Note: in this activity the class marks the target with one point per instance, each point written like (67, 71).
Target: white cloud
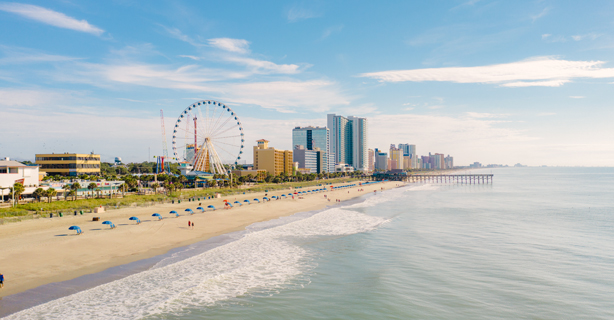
(546, 36)
(541, 14)
(590, 36)
(232, 45)
(541, 71)
(332, 30)
(262, 66)
(50, 17)
(480, 115)
(577, 97)
(27, 98)
(298, 13)
(544, 114)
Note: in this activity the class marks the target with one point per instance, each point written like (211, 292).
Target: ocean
(537, 243)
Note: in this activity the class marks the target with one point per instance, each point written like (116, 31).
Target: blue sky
(489, 81)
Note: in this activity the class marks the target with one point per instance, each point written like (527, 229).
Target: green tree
(155, 187)
(66, 190)
(18, 189)
(50, 193)
(91, 187)
(75, 187)
(39, 193)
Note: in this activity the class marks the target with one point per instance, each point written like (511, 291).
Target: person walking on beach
(1, 280)
(192, 225)
(189, 224)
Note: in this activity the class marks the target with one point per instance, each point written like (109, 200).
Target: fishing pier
(436, 178)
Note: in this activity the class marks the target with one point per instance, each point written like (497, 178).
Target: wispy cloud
(262, 66)
(545, 114)
(17, 55)
(589, 36)
(50, 17)
(299, 12)
(541, 71)
(483, 115)
(177, 34)
(541, 14)
(577, 97)
(332, 30)
(231, 45)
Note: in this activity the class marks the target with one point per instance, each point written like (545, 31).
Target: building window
(13, 170)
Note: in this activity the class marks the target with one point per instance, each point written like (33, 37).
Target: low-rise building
(69, 164)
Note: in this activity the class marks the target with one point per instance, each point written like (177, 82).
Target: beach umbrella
(189, 210)
(237, 202)
(265, 198)
(247, 201)
(173, 211)
(257, 200)
(201, 209)
(157, 215)
(274, 197)
(228, 204)
(109, 223)
(211, 207)
(76, 228)
(135, 219)
(283, 195)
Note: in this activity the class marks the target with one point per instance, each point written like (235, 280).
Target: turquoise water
(537, 243)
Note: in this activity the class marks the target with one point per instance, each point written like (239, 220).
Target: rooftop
(11, 163)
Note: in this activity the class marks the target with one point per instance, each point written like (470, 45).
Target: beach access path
(41, 251)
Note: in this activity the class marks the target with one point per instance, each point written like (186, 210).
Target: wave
(261, 261)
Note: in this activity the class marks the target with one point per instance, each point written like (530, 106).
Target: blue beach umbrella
(247, 201)
(239, 203)
(265, 198)
(189, 210)
(201, 209)
(173, 211)
(211, 207)
(274, 197)
(135, 219)
(76, 228)
(109, 223)
(157, 215)
(256, 199)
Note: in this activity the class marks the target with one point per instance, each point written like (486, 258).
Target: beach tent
(189, 210)
(239, 203)
(247, 201)
(76, 229)
(135, 219)
(211, 207)
(157, 215)
(201, 209)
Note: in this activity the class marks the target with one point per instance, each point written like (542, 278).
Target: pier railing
(437, 178)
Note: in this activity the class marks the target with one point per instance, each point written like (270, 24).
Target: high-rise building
(396, 157)
(381, 160)
(449, 162)
(273, 161)
(69, 164)
(312, 160)
(315, 137)
(348, 140)
(371, 156)
(409, 150)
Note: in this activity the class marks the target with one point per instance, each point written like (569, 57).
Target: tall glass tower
(348, 138)
(311, 138)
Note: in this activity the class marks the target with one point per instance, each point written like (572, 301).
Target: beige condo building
(272, 160)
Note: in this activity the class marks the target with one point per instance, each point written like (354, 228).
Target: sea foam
(261, 261)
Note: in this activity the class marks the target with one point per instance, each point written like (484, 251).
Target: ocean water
(537, 243)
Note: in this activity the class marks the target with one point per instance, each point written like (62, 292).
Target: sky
(499, 82)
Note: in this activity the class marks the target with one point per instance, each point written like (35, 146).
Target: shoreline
(43, 251)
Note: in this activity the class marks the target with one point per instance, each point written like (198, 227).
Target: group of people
(190, 225)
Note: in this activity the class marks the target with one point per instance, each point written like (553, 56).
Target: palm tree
(66, 190)
(98, 190)
(91, 187)
(155, 186)
(50, 193)
(38, 194)
(17, 190)
(75, 187)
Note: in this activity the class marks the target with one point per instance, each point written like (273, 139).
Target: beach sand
(41, 251)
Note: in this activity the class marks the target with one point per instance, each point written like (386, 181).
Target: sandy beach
(41, 251)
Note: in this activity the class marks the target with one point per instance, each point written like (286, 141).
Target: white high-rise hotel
(348, 140)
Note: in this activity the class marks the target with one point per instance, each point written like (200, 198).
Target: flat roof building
(273, 161)
(69, 164)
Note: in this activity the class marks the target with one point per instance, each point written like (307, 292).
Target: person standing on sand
(1, 280)
(192, 225)
(189, 224)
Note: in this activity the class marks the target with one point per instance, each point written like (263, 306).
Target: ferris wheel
(208, 134)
